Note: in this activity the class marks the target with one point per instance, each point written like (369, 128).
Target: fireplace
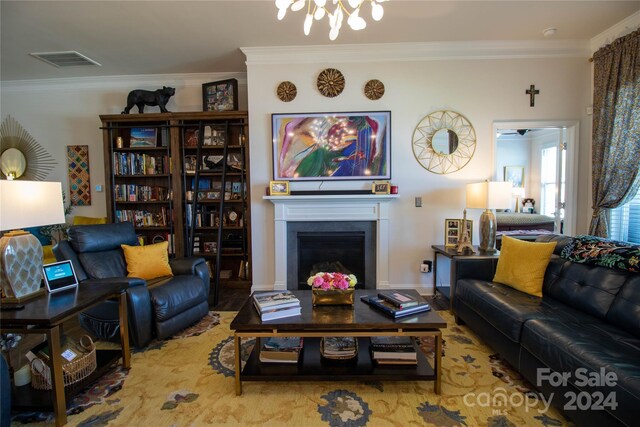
(338, 209)
(342, 246)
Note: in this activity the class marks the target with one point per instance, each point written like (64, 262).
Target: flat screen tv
(332, 146)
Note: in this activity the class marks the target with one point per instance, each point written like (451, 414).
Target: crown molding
(622, 28)
(432, 51)
(150, 81)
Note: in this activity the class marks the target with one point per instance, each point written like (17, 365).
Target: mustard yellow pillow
(88, 220)
(522, 264)
(147, 262)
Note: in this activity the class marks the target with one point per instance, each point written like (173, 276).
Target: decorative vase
(332, 296)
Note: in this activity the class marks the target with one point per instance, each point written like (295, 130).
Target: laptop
(59, 276)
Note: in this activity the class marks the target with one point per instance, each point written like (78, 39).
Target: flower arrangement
(327, 281)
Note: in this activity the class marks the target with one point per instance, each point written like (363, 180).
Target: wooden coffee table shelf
(360, 321)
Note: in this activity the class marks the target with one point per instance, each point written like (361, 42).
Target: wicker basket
(73, 371)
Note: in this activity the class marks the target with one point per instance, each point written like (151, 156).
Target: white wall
(483, 90)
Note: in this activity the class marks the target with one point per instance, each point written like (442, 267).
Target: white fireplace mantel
(361, 207)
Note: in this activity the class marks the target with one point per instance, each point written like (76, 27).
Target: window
(624, 221)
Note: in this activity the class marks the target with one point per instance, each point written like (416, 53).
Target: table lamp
(25, 204)
(488, 195)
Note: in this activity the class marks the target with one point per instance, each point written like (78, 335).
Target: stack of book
(281, 350)
(397, 303)
(276, 304)
(393, 351)
(339, 347)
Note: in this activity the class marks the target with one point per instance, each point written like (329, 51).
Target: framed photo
(279, 188)
(381, 188)
(515, 175)
(143, 137)
(332, 146)
(220, 96)
(453, 231)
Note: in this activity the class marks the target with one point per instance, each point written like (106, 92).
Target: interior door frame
(571, 179)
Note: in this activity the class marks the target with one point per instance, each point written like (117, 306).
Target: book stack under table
(393, 350)
(281, 350)
(276, 304)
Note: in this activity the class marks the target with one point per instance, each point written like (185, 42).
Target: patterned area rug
(188, 381)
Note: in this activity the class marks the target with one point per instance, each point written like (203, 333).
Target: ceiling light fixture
(318, 9)
(549, 32)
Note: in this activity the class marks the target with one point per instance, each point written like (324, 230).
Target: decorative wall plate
(330, 82)
(287, 91)
(374, 89)
(436, 160)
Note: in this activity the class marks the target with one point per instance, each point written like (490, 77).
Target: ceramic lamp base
(21, 257)
(332, 297)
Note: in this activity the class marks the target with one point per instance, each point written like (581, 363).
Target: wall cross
(532, 92)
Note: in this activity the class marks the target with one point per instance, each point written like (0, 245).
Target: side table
(46, 314)
(450, 253)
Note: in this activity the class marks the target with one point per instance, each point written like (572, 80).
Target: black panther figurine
(140, 97)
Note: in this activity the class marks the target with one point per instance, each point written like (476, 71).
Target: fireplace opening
(331, 246)
(331, 252)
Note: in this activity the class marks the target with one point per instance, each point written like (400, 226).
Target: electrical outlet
(418, 202)
(425, 267)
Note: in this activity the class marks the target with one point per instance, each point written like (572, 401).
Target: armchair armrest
(129, 282)
(191, 266)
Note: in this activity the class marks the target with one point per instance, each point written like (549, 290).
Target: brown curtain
(616, 128)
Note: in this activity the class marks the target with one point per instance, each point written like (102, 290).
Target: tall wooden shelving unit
(191, 188)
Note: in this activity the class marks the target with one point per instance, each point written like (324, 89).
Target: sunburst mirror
(444, 142)
(22, 157)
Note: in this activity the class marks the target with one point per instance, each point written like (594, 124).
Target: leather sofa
(586, 325)
(156, 308)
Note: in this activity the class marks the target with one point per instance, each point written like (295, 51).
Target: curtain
(616, 128)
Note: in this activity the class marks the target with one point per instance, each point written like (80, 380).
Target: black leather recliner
(158, 307)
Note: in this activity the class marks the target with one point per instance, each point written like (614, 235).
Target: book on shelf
(278, 312)
(275, 299)
(390, 309)
(281, 350)
(393, 348)
(399, 299)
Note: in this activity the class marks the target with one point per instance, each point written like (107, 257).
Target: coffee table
(359, 320)
(46, 314)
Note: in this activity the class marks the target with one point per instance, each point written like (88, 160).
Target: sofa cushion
(147, 262)
(625, 310)
(522, 264)
(586, 288)
(102, 265)
(102, 237)
(565, 346)
(603, 252)
(507, 309)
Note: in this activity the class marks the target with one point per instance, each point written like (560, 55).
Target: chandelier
(318, 9)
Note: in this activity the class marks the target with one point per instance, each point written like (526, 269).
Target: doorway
(547, 153)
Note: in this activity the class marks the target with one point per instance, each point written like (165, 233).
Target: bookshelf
(183, 177)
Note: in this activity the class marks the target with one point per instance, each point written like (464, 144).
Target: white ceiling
(180, 36)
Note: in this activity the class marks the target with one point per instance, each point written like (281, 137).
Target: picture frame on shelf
(220, 96)
(143, 137)
(453, 231)
(332, 146)
(278, 188)
(381, 188)
(514, 175)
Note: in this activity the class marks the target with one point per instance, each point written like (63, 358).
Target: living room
(484, 79)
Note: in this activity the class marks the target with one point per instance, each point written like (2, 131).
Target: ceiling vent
(69, 58)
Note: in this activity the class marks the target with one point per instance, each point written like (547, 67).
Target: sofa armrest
(475, 268)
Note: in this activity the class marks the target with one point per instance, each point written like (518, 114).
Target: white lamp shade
(30, 204)
(489, 195)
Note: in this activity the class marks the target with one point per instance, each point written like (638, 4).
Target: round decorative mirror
(444, 142)
(12, 163)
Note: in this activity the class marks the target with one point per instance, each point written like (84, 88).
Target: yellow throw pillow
(522, 264)
(88, 220)
(147, 262)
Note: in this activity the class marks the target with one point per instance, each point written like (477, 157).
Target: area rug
(188, 381)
